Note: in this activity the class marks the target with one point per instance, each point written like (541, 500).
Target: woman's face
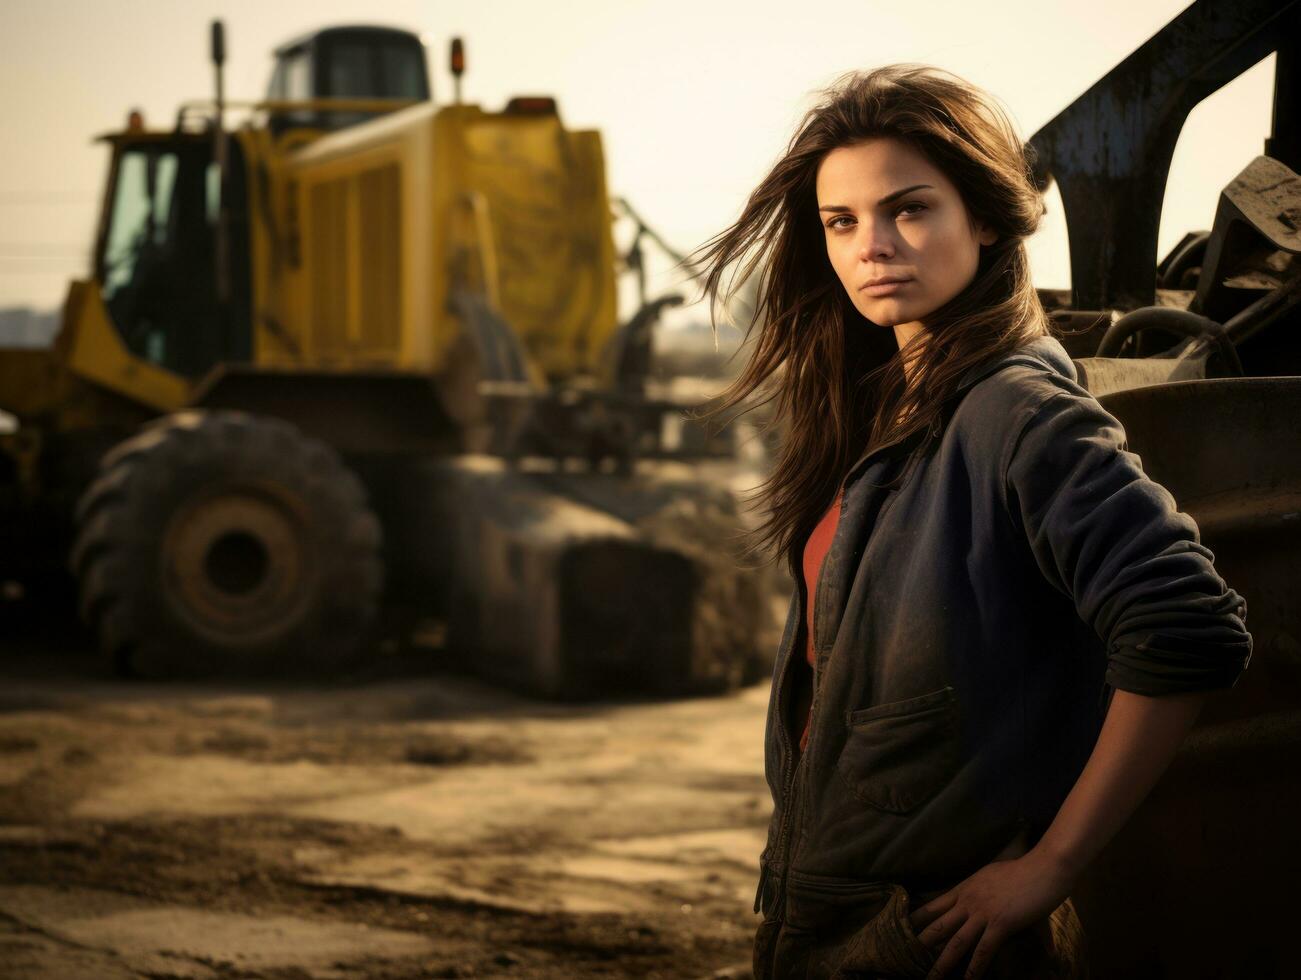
(897, 231)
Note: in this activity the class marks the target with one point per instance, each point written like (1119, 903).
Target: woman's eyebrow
(898, 194)
(893, 196)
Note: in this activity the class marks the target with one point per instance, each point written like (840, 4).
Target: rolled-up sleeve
(1114, 541)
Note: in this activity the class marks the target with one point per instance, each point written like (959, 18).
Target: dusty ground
(408, 822)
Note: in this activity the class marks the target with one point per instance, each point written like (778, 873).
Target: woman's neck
(903, 334)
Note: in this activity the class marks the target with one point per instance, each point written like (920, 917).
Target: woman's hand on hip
(976, 917)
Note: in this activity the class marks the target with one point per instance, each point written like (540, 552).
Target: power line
(47, 197)
(34, 250)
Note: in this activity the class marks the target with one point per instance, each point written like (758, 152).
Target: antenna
(218, 51)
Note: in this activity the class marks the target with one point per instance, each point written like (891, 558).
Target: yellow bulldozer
(366, 345)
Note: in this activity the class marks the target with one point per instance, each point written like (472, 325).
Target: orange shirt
(815, 550)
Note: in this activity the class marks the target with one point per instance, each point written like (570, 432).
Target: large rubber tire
(221, 543)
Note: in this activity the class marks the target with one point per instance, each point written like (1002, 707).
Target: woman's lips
(886, 288)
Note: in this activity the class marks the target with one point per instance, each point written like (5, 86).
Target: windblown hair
(836, 379)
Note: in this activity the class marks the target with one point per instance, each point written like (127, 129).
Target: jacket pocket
(886, 945)
(898, 755)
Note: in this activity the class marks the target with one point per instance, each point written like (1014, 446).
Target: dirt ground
(404, 822)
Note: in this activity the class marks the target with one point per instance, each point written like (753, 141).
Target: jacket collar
(1043, 350)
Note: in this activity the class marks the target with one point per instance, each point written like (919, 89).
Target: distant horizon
(691, 114)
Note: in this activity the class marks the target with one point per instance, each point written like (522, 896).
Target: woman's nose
(876, 245)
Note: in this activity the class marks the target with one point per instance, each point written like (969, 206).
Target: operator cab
(156, 254)
(346, 63)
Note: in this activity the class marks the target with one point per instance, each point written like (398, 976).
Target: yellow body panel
(383, 221)
(546, 201)
(57, 384)
(93, 350)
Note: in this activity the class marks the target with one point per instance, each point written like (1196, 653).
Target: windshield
(366, 68)
(142, 207)
(158, 258)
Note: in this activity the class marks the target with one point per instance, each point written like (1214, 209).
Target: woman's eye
(833, 222)
(912, 208)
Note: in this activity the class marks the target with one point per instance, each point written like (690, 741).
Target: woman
(1011, 627)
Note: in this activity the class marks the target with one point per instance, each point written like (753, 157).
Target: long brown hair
(835, 379)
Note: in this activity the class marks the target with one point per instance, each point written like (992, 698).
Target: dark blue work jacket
(983, 592)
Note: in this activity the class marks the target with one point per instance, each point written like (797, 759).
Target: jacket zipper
(789, 772)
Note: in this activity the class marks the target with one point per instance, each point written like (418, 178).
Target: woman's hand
(978, 915)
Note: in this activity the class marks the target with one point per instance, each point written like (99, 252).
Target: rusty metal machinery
(1199, 356)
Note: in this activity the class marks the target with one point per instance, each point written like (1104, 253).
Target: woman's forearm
(1139, 738)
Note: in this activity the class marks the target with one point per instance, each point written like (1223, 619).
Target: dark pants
(866, 934)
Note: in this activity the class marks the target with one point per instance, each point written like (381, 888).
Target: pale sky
(694, 99)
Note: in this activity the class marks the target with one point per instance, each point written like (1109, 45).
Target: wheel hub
(234, 563)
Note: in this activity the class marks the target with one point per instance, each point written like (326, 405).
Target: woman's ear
(986, 235)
